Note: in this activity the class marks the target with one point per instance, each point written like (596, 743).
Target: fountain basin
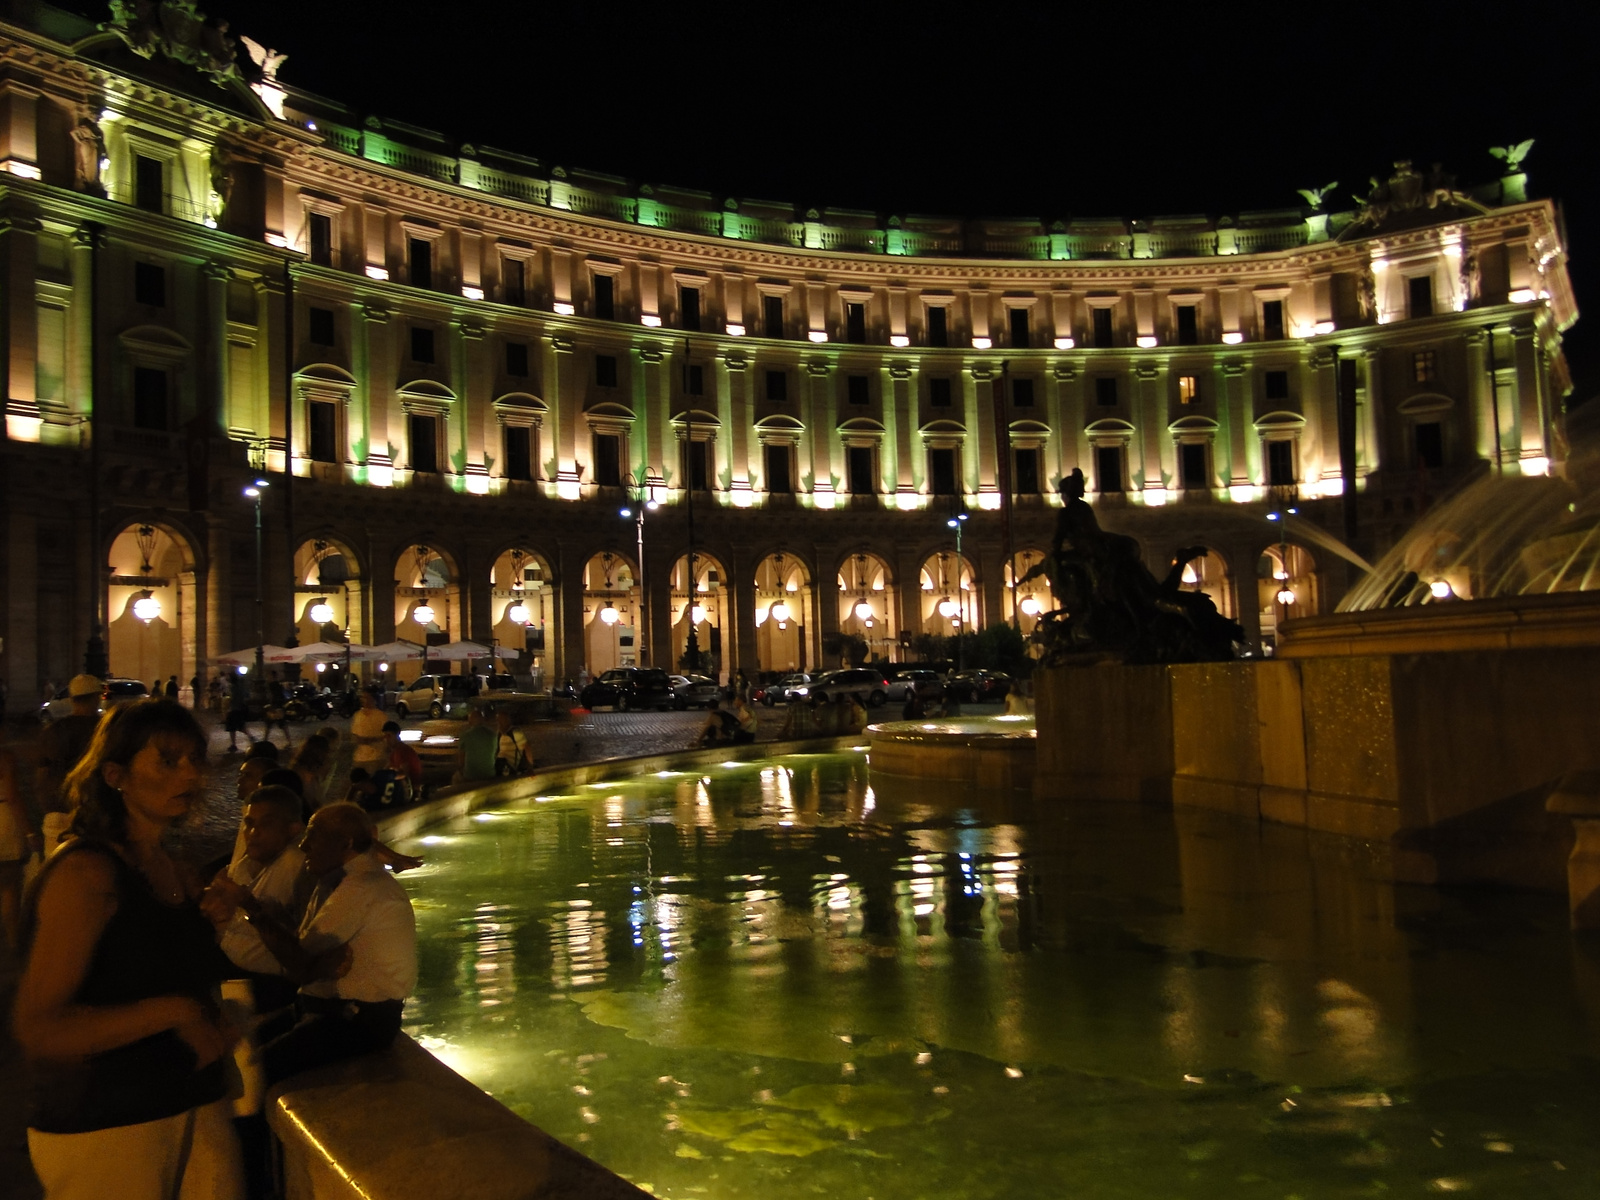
(991, 753)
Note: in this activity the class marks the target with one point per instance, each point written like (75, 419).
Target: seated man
(511, 746)
(476, 757)
(272, 868)
(354, 956)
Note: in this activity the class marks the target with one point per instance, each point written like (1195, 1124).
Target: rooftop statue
(179, 30)
(1317, 197)
(1110, 603)
(1513, 155)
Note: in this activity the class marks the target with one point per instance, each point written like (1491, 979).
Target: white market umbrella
(395, 652)
(336, 652)
(271, 654)
(458, 651)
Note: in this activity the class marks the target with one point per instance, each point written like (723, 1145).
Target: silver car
(694, 691)
(785, 689)
(926, 684)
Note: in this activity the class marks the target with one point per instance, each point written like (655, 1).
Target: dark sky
(987, 109)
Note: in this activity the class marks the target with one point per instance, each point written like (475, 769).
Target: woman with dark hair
(115, 1010)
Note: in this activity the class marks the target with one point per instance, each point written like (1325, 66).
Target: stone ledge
(401, 1124)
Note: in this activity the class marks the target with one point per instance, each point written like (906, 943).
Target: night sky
(988, 109)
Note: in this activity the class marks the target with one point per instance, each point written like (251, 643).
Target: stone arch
(868, 604)
(785, 613)
(610, 584)
(524, 608)
(153, 602)
(327, 570)
(427, 577)
(704, 606)
(1209, 574)
(1285, 565)
(1028, 602)
(951, 593)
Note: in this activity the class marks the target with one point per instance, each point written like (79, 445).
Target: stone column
(213, 383)
(1527, 419)
(1152, 420)
(370, 343)
(466, 423)
(742, 589)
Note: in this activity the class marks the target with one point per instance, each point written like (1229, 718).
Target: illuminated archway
(610, 613)
(427, 605)
(1032, 599)
(1286, 587)
(951, 600)
(706, 608)
(867, 608)
(1209, 574)
(784, 616)
(523, 610)
(327, 574)
(151, 605)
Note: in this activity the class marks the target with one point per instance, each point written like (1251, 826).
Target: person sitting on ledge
(354, 955)
(731, 722)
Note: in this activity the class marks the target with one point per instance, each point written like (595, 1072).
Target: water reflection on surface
(767, 977)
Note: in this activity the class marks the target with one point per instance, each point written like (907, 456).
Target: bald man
(354, 955)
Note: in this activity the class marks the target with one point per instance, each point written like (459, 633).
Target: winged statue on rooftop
(1513, 155)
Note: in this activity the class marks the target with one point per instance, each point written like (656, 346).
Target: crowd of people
(158, 999)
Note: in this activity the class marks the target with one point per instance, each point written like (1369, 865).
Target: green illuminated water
(765, 980)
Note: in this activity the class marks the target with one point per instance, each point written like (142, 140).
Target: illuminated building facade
(454, 365)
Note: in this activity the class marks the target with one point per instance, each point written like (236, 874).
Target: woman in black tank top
(115, 1011)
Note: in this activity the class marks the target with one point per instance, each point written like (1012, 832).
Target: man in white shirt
(272, 867)
(355, 955)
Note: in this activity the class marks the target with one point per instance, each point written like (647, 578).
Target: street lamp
(646, 499)
(321, 612)
(609, 614)
(147, 608)
(258, 687)
(956, 522)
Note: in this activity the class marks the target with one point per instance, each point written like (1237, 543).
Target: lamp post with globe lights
(258, 686)
(645, 487)
(954, 609)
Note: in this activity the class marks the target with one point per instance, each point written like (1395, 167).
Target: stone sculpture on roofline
(1112, 607)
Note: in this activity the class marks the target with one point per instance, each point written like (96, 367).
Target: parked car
(117, 691)
(980, 686)
(864, 683)
(434, 695)
(694, 691)
(784, 689)
(623, 688)
(926, 684)
(501, 681)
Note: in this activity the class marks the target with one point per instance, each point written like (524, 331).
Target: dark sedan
(623, 688)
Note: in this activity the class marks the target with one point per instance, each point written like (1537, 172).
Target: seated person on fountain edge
(354, 954)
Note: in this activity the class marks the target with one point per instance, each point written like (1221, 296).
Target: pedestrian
(172, 687)
(366, 731)
(276, 713)
(61, 746)
(476, 757)
(114, 1010)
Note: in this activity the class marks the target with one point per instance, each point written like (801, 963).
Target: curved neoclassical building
(455, 365)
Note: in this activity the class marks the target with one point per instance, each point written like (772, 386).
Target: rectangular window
(939, 392)
(1419, 291)
(1026, 479)
(605, 370)
(1193, 467)
(1022, 393)
(421, 344)
(519, 452)
(517, 359)
(321, 239)
(149, 183)
(1104, 335)
(778, 476)
(694, 382)
(149, 285)
(608, 460)
(1019, 327)
(695, 465)
(859, 465)
(1277, 385)
(1105, 390)
(424, 430)
(689, 308)
(938, 325)
(605, 298)
(321, 418)
(858, 389)
(513, 281)
(1188, 325)
(1272, 320)
(772, 316)
(777, 386)
(1108, 468)
(320, 322)
(1430, 445)
(421, 263)
(1424, 366)
(149, 398)
(942, 471)
(1280, 464)
(1188, 389)
(855, 322)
